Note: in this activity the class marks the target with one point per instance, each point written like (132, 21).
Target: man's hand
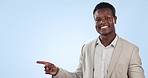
(49, 67)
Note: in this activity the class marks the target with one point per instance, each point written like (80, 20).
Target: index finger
(42, 62)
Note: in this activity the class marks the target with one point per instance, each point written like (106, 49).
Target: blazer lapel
(115, 56)
(92, 58)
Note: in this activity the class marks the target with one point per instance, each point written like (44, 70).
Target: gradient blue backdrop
(55, 30)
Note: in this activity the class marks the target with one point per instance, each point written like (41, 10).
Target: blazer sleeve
(135, 69)
(66, 74)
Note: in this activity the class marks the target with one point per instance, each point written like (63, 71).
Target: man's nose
(103, 21)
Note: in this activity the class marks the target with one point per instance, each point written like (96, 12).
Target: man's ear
(114, 20)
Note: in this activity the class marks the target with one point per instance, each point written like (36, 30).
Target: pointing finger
(43, 62)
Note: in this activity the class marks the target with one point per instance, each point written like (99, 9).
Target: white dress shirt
(102, 58)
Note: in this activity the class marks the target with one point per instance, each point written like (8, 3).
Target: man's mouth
(104, 27)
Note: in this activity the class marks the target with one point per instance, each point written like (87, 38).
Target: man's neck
(106, 40)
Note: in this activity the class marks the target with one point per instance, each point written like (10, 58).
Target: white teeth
(104, 27)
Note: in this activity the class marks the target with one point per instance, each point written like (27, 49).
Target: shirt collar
(113, 43)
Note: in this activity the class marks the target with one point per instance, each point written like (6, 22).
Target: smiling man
(108, 56)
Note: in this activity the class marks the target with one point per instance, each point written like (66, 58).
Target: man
(108, 56)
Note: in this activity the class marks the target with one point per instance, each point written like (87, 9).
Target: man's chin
(104, 34)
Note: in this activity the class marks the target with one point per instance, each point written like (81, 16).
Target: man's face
(105, 21)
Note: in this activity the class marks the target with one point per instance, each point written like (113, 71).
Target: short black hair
(102, 5)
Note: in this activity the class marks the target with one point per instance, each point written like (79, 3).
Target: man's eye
(98, 19)
(107, 18)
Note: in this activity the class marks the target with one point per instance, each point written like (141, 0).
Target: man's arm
(55, 71)
(78, 74)
(135, 69)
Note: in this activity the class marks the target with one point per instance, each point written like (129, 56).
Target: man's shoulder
(91, 43)
(127, 43)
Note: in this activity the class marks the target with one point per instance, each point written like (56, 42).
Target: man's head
(105, 18)
(102, 5)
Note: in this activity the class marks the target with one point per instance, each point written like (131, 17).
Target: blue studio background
(55, 30)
